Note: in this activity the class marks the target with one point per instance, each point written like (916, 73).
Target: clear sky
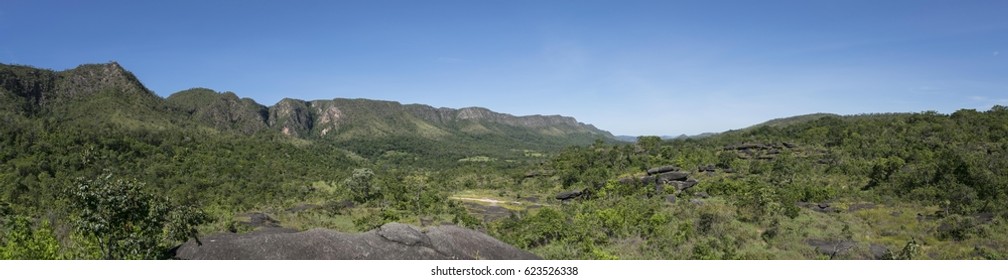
(630, 67)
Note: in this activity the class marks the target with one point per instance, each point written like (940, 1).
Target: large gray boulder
(650, 179)
(879, 252)
(391, 241)
(672, 176)
(707, 168)
(684, 185)
(671, 198)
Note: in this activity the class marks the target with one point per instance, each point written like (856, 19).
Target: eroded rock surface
(391, 241)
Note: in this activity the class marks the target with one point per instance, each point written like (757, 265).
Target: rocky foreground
(391, 241)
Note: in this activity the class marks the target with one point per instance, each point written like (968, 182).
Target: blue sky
(630, 67)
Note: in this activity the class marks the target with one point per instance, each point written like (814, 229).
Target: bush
(23, 242)
(127, 222)
(361, 185)
(956, 227)
(377, 219)
(762, 202)
(461, 217)
(536, 230)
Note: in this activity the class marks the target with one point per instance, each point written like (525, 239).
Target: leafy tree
(725, 159)
(649, 143)
(418, 195)
(126, 221)
(361, 185)
(882, 170)
(5, 209)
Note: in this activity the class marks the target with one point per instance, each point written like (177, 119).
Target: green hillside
(882, 186)
(793, 120)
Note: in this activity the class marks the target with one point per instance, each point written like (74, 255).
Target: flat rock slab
(568, 195)
(391, 241)
(878, 252)
(489, 213)
(672, 176)
(818, 207)
(831, 248)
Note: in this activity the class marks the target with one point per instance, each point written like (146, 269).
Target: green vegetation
(93, 166)
(127, 222)
(895, 186)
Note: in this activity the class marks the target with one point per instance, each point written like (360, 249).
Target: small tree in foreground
(126, 221)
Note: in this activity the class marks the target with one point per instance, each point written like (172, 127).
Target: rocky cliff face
(91, 78)
(22, 88)
(32, 89)
(328, 115)
(292, 117)
(322, 118)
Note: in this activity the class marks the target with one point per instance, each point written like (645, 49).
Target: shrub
(126, 221)
(956, 227)
(21, 241)
(361, 185)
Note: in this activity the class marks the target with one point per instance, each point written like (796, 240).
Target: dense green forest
(94, 166)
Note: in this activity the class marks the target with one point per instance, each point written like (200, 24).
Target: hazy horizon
(628, 67)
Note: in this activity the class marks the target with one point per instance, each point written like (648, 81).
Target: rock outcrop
(30, 89)
(568, 195)
(89, 78)
(819, 207)
(761, 151)
(662, 176)
(706, 168)
(662, 169)
(391, 241)
(832, 247)
(292, 117)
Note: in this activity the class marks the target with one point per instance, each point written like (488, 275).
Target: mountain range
(112, 94)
